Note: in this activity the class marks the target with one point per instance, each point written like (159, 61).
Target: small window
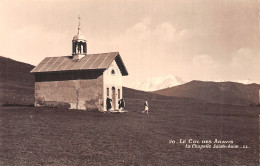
(119, 94)
(113, 72)
(107, 91)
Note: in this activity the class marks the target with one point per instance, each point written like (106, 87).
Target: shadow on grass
(17, 105)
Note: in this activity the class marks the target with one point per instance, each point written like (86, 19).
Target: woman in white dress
(146, 107)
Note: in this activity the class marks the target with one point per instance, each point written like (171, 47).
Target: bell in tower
(79, 44)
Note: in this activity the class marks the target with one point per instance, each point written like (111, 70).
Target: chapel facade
(79, 81)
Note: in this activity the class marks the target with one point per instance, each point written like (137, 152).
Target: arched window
(113, 72)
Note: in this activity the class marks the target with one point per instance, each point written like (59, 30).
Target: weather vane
(79, 22)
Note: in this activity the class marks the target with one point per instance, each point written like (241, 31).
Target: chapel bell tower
(79, 44)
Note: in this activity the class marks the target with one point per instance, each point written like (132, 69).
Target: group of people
(121, 105)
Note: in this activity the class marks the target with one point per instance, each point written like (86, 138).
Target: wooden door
(114, 98)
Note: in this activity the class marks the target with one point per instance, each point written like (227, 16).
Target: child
(146, 107)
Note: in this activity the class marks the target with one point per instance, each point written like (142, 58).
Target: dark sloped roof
(88, 62)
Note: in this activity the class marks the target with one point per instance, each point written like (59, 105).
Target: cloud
(167, 32)
(202, 61)
(244, 58)
(245, 64)
(161, 33)
(140, 27)
(146, 48)
(203, 66)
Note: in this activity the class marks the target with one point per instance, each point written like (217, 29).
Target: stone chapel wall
(70, 90)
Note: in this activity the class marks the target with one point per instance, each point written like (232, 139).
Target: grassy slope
(43, 136)
(16, 82)
(215, 92)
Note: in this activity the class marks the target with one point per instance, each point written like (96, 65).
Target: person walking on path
(146, 107)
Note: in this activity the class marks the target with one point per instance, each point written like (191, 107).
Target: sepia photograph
(129, 82)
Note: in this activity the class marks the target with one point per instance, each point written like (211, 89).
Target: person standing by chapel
(121, 104)
(108, 103)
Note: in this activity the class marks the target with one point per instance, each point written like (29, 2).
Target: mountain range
(216, 92)
(158, 83)
(168, 81)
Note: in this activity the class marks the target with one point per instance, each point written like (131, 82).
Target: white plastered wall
(112, 80)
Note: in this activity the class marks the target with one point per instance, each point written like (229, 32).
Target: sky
(208, 40)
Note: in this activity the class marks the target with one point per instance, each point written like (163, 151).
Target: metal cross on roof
(79, 22)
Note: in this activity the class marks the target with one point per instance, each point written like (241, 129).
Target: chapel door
(114, 98)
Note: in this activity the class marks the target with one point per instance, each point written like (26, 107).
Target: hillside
(16, 82)
(216, 92)
(133, 94)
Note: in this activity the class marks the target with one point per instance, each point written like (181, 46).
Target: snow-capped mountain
(158, 83)
(248, 81)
